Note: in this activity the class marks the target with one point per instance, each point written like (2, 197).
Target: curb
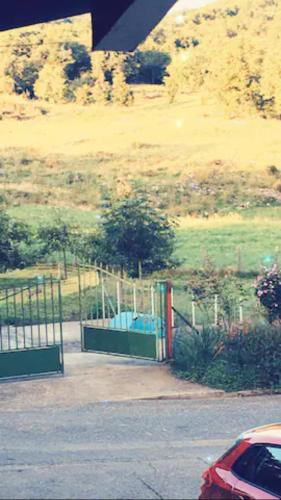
(219, 394)
(180, 396)
(253, 393)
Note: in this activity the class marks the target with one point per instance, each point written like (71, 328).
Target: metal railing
(31, 315)
(108, 300)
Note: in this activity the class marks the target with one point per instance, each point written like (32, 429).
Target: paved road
(148, 449)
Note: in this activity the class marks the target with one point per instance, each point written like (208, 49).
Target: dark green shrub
(257, 354)
(194, 352)
(222, 375)
(244, 359)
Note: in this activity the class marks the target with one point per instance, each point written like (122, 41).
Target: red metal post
(169, 320)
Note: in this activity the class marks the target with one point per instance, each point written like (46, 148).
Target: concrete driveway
(91, 377)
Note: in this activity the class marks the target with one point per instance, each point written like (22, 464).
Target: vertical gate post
(80, 307)
(169, 319)
(61, 327)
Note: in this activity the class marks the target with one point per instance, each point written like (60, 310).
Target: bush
(195, 351)
(243, 360)
(268, 291)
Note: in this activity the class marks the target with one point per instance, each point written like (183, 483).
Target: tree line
(132, 234)
(228, 50)
(54, 62)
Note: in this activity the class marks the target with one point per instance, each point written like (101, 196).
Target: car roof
(266, 434)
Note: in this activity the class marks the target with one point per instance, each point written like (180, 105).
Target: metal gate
(31, 329)
(119, 316)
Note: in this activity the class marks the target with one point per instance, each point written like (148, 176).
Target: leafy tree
(16, 244)
(137, 236)
(50, 85)
(87, 246)
(177, 75)
(52, 79)
(24, 73)
(101, 89)
(271, 71)
(84, 94)
(81, 60)
(56, 238)
(6, 84)
(233, 78)
(147, 66)
(120, 92)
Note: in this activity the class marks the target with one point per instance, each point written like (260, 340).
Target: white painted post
(103, 300)
(135, 299)
(241, 312)
(216, 310)
(152, 301)
(193, 313)
(118, 297)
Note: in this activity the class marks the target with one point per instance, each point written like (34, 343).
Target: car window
(261, 466)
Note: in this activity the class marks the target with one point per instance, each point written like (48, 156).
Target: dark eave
(118, 25)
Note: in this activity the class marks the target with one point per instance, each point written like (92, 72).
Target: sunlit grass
(230, 241)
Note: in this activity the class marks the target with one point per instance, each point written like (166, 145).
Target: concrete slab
(91, 377)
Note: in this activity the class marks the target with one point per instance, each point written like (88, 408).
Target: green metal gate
(118, 316)
(31, 329)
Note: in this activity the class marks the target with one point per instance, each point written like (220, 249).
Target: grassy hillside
(188, 156)
(218, 172)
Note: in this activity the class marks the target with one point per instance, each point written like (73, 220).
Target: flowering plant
(268, 291)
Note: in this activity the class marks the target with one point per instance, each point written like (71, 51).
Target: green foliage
(84, 94)
(52, 80)
(87, 246)
(194, 351)
(81, 60)
(137, 236)
(208, 283)
(120, 91)
(268, 291)
(147, 66)
(24, 74)
(17, 248)
(101, 89)
(55, 238)
(246, 359)
(186, 72)
(177, 75)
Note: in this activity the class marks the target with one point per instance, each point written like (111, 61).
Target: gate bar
(169, 320)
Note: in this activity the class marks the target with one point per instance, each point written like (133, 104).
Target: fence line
(213, 312)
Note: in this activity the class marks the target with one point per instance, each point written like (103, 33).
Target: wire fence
(215, 310)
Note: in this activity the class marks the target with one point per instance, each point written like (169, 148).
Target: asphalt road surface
(135, 450)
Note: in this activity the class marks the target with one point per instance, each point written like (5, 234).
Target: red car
(250, 470)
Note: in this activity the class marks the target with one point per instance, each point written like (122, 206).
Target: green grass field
(38, 215)
(243, 241)
(188, 156)
(246, 244)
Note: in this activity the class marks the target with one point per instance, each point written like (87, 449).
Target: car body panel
(250, 492)
(219, 480)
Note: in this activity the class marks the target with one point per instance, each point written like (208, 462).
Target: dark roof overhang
(117, 25)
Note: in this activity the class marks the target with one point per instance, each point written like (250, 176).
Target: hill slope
(189, 157)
